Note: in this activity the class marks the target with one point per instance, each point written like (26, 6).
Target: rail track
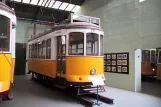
(83, 99)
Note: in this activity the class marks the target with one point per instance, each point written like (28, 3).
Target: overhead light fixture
(70, 7)
(26, 1)
(57, 4)
(63, 6)
(76, 8)
(43, 4)
(17, 0)
(51, 3)
(40, 2)
(141, 1)
(34, 2)
(47, 3)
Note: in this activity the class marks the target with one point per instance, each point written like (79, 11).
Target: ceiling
(45, 11)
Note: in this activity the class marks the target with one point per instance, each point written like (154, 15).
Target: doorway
(147, 69)
(61, 56)
(20, 63)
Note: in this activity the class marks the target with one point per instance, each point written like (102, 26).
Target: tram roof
(6, 8)
(74, 25)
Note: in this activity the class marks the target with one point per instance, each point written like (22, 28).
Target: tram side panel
(159, 65)
(5, 72)
(159, 71)
(44, 66)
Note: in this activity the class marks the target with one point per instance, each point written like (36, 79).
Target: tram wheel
(9, 96)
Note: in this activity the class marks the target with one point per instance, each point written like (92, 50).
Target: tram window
(48, 49)
(153, 56)
(36, 50)
(146, 55)
(101, 44)
(39, 49)
(76, 42)
(30, 50)
(159, 57)
(43, 49)
(92, 44)
(4, 33)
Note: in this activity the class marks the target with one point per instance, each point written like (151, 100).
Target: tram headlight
(92, 71)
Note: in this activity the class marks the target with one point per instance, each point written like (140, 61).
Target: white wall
(128, 25)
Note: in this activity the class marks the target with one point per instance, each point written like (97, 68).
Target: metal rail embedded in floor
(80, 97)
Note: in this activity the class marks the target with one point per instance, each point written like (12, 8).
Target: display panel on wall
(116, 63)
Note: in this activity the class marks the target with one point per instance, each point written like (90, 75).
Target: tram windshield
(91, 46)
(4, 33)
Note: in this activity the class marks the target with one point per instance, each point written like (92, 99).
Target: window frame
(48, 47)
(82, 54)
(39, 50)
(98, 48)
(101, 53)
(158, 60)
(8, 35)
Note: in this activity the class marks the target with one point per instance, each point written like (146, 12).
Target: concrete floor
(28, 93)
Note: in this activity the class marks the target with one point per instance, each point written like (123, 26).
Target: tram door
(61, 56)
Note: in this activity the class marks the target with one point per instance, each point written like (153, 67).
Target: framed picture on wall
(124, 62)
(108, 56)
(105, 68)
(124, 69)
(113, 69)
(117, 62)
(108, 68)
(119, 56)
(108, 62)
(114, 62)
(119, 68)
(113, 56)
(124, 56)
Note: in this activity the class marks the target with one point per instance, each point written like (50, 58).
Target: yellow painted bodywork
(76, 67)
(12, 69)
(45, 67)
(6, 71)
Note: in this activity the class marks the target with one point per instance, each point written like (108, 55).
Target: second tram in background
(149, 67)
(159, 63)
(151, 62)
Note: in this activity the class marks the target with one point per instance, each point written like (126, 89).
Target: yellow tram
(69, 54)
(7, 50)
